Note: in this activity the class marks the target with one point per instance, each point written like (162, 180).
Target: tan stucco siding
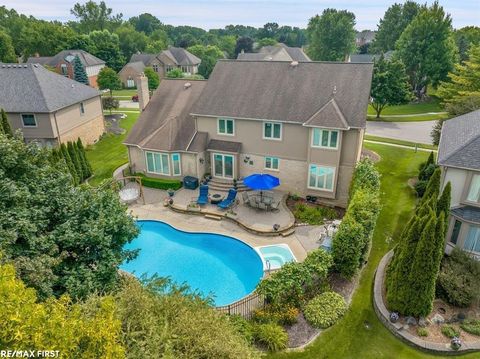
(250, 134)
(43, 129)
(128, 73)
(457, 178)
(70, 117)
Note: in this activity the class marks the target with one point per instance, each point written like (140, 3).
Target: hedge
(159, 183)
(325, 309)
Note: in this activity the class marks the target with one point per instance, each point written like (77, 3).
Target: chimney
(142, 89)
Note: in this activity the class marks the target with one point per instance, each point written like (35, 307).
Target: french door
(223, 165)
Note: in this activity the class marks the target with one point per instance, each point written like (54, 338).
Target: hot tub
(275, 256)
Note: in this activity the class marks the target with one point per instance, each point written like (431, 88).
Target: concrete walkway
(417, 132)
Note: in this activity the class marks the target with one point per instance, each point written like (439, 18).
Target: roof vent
(187, 85)
(294, 63)
(334, 89)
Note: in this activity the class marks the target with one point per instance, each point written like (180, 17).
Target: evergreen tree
(6, 128)
(433, 187)
(76, 161)
(81, 156)
(79, 73)
(443, 205)
(69, 163)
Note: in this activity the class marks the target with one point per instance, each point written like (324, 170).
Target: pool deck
(305, 238)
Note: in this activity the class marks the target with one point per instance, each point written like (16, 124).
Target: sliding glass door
(223, 165)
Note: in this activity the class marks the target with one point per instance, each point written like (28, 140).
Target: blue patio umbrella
(260, 181)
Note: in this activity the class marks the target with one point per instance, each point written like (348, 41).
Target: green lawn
(420, 117)
(433, 105)
(109, 153)
(123, 92)
(399, 142)
(350, 338)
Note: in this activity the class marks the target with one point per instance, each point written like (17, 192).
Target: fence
(244, 306)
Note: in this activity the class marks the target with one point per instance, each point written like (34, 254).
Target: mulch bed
(374, 157)
(292, 203)
(113, 123)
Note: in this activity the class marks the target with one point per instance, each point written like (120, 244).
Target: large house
(302, 122)
(63, 64)
(162, 63)
(459, 157)
(49, 108)
(279, 52)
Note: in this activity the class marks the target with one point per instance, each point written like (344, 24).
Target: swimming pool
(276, 255)
(210, 263)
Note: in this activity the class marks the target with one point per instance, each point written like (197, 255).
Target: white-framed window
(82, 109)
(29, 120)
(169, 68)
(472, 242)
(155, 67)
(130, 83)
(474, 191)
(272, 130)
(157, 163)
(64, 69)
(185, 69)
(324, 138)
(321, 177)
(271, 163)
(226, 126)
(176, 165)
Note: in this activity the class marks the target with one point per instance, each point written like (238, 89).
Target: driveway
(128, 104)
(418, 132)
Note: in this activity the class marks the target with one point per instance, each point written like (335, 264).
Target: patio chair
(203, 195)
(227, 202)
(275, 206)
(246, 199)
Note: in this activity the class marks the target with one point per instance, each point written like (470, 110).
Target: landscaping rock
(453, 319)
(422, 322)
(438, 319)
(411, 321)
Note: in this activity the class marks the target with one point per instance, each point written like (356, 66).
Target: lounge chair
(227, 202)
(203, 196)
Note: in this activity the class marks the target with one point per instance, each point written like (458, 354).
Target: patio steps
(288, 233)
(214, 217)
(224, 186)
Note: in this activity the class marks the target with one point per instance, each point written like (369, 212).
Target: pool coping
(285, 245)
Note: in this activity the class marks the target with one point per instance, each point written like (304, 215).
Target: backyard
(360, 334)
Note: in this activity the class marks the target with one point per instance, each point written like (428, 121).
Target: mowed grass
(433, 105)
(399, 142)
(109, 153)
(123, 92)
(416, 118)
(350, 338)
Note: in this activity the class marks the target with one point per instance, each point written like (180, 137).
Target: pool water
(275, 256)
(213, 264)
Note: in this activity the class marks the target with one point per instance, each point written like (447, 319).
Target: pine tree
(86, 165)
(76, 161)
(6, 128)
(69, 163)
(433, 187)
(79, 73)
(443, 205)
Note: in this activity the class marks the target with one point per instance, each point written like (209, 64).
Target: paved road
(418, 132)
(128, 104)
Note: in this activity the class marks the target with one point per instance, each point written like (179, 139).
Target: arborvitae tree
(430, 160)
(443, 205)
(81, 149)
(81, 161)
(69, 162)
(79, 73)
(6, 128)
(76, 161)
(433, 187)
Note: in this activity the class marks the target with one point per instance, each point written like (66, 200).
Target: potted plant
(234, 183)
(170, 192)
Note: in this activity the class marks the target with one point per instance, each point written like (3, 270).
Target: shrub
(420, 188)
(242, 326)
(459, 279)
(365, 176)
(324, 310)
(159, 183)
(290, 284)
(313, 215)
(347, 246)
(272, 336)
(471, 326)
(450, 332)
(422, 332)
(286, 315)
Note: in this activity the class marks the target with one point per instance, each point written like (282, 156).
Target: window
(225, 126)
(186, 69)
(472, 243)
(82, 109)
(64, 69)
(271, 163)
(321, 177)
(155, 67)
(455, 231)
(272, 130)
(169, 68)
(324, 138)
(29, 120)
(176, 164)
(474, 192)
(157, 163)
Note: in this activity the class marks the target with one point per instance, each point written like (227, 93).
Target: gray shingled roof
(86, 58)
(278, 91)
(138, 66)
(370, 57)
(181, 56)
(165, 124)
(268, 53)
(460, 142)
(467, 213)
(32, 88)
(42, 60)
(224, 146)
(145, 58)
(296, 53)
(328, 116)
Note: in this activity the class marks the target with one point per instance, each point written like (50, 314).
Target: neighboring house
(279, 52)
(459, 157)
(302, 122)
(368, 57)
(364, 37)
(162, 63)
(49, 108)
(63, 64)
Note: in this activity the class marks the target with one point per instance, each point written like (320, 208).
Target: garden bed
(306, 212)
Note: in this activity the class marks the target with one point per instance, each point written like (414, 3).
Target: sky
(218, 13)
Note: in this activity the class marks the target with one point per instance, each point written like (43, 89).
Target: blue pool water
(276, 255)
(210, 263)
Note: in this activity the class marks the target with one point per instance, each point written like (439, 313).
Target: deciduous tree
(108, 80)
(153, 80)
(93, 16)
(7, 52)
(245, 44)
(106, 46)
(209, 56)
